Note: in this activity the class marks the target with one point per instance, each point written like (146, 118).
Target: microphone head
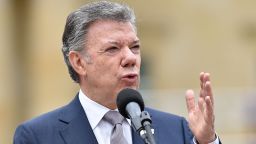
(126, 96)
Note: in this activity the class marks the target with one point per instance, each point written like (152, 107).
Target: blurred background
(180, 38)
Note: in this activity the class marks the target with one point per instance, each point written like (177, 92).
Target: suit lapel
(75, 127)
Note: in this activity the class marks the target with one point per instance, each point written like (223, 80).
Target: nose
(129, 58)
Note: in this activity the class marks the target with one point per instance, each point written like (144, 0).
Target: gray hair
(78, 22)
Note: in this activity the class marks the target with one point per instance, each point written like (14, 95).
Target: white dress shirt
(216, 141)
(102, 129)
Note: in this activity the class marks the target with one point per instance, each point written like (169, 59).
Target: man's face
(114, 63)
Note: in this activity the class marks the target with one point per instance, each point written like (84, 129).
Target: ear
(77, 62)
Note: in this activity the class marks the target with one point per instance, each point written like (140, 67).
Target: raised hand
(201, 113)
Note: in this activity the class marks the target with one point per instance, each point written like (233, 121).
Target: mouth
(130, 78)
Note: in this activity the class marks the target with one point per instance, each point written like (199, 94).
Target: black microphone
(131, 105)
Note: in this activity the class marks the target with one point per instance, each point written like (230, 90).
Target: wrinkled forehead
(104, 22)
(112, 31)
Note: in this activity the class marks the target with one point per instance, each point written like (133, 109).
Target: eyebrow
(137, 41)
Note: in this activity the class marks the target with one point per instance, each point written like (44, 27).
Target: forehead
(109, 30)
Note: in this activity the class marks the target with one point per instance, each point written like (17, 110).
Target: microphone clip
(143, 127)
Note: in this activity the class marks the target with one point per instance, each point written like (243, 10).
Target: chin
(131, 86)
(134, 86)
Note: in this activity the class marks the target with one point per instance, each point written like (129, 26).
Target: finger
(201, 104)
(209, 113)
(204, 79)
(201, 79)
(190, 100)
(208, 88)
(201, 93)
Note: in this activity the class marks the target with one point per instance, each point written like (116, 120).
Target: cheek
(138, 62)
(107, 68)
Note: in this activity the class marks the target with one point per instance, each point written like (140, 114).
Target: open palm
(201, 114)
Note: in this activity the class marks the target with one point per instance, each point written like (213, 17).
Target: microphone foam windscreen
(126, 96)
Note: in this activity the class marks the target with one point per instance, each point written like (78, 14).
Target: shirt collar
(94, 111)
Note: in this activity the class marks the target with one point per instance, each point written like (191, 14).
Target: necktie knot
(114, 117)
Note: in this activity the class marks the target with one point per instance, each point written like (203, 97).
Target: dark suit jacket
(69, 125)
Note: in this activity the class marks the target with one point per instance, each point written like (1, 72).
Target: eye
(112, 50)
(135, 49)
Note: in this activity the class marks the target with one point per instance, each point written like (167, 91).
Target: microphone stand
(146, 132)
(142, 125)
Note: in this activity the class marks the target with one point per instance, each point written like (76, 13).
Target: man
(102, 52)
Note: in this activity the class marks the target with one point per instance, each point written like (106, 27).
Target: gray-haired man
(102, 51)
